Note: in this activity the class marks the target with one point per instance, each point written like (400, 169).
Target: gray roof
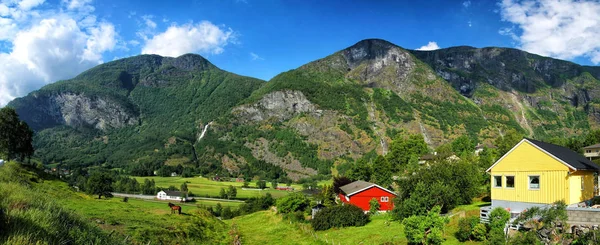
(174, 193)
(568, 156)
(592, 146)
(355, 186)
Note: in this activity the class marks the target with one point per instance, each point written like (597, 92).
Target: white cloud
(148, 21)
(255, 56)
(49, 45)
(429, 46)
(77, 4)
(28, 4)
(203, 37)
(564, 29)
(466, 4)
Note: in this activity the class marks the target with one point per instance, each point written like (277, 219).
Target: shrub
(529, 238)
(479, 232)
(465, 228)
(292, 203)
(498, 218)
(373, 206)
(496, 237)
(425, 229)
(339, 216)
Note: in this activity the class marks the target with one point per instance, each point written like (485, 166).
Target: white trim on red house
(537, 147)
(366, 188)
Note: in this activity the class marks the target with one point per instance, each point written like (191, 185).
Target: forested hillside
(149, 113)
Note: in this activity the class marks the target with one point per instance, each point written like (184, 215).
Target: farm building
(172, 195)
(359, 193)
(535, 173)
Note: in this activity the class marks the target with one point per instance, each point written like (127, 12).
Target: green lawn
(380, 230)
(204, 187)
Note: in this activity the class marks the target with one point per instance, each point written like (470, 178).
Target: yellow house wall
(526, 160)
(577, 193)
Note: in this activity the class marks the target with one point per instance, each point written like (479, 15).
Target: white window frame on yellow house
(496, 182)
(506, 180)
(539, 177)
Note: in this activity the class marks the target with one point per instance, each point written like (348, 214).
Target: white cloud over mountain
(203, 37)
(429, 46)
(48, 45)
(564, 29)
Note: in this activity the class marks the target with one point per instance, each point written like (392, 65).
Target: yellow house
(535, 173)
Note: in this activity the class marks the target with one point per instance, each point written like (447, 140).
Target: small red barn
(360, 193)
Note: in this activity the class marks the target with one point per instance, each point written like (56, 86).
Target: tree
(223, 193)
(382, 172)
(373, 206)
(444, 183)
(15, 136)
(149, 187)
(425, 229)
(508, 141)
(463, 146)
(339, 181)
(218, 210)
(231, 192)
(274, 184)
(184, 187)
(261, 184)
(327, 196)
(246, 184)
(361, 170)
(100, 184)
(403, 148)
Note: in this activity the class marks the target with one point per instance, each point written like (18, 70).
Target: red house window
(385, 199)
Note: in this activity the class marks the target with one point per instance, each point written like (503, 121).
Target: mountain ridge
(149, 110)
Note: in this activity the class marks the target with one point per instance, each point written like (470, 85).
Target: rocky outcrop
(78, 110)
(278, 106)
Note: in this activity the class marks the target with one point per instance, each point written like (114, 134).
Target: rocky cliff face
(77, 110)
(278, 106)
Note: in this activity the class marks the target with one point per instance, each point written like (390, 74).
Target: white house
(172, 195)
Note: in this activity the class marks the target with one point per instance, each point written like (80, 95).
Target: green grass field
(380, 230)
(203, 187)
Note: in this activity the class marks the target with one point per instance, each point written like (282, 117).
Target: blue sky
(42, 41)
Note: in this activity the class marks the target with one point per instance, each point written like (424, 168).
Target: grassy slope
(380, 230)
(204, 187)
(140, 220)
(28, 215)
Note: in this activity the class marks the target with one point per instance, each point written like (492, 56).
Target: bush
(339, 216)
(498, 218)
(292, 203)
(496, 237)
(297, 216)
(479, 232)
(425, 229)
(466, 227)
(373, 206)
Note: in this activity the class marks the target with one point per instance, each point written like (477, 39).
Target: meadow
(381, 229)
(204, 187)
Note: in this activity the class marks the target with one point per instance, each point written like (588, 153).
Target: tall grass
(29, 216)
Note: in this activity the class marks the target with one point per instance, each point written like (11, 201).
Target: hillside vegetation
(147, 112)
(37, 209)
(29, 215)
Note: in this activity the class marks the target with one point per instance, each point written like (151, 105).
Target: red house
(360, 193)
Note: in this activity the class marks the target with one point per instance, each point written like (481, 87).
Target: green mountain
(149, 110)
(145, 109)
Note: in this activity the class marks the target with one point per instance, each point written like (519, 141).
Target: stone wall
(583, 216)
